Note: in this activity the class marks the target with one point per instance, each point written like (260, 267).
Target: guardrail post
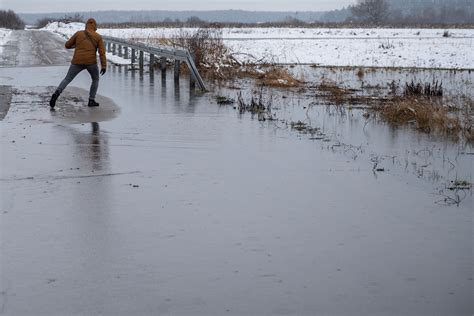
(163, 64)
(152, 61)
(192, 80)
(138, 50)
(177, 68)
(134, 56)
(140, 60)
(125, 53)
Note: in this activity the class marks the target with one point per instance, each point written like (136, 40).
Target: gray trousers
(74, 70)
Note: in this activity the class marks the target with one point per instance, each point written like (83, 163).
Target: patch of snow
(67, 29)
(411, 48)
(117, 60)
(4, 37)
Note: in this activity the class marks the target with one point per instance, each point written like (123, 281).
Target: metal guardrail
(162, 51)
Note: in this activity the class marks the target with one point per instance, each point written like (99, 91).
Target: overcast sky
(34, 6)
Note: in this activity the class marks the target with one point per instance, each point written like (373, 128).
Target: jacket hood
(91, 25)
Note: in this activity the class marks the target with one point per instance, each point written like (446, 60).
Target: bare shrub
(10, 20)
(207, 47)
(387, 45)
(371, 11)
(64, 19)
(43, 22)
(71, 18)
(215, 61)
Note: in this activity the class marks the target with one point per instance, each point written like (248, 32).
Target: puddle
(32, 105)
(350, 132)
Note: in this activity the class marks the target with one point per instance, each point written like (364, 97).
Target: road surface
(35, 48)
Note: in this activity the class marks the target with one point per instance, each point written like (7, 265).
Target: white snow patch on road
(4, 37)
(64, 29)
(411, 48)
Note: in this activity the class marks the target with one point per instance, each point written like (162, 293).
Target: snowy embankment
(4, 35)
(410, 48)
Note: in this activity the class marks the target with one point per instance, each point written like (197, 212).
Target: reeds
(427, 115)
(428, 89)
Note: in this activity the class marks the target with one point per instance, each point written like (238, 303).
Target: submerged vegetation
(428, 89)
(422, 105)
(256, 105)
(426, 114)
(222, 100)
(416, 103)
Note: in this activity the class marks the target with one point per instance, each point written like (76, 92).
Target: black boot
(54, 97)
(92, 103)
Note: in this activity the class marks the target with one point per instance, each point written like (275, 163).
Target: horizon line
(144, 10)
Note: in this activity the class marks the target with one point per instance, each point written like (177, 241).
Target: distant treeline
(382, 13)
(431, 11)
(413, 12)
(9, 20)
(194, 21)
(298, 24)
(147, 16)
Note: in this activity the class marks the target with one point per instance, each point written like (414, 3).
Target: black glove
(102, 71)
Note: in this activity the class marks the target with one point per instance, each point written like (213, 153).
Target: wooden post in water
(125, 53)
(120, 50)
(114, 47)
(109, 46)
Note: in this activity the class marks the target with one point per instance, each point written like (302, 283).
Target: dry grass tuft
(427, 114)
(468, 113)
(334, 93)
(279, 77)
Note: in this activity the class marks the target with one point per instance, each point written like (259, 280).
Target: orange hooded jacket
(87, 46)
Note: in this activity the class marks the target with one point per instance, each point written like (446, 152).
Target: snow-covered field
(4, 34)
(419, 48)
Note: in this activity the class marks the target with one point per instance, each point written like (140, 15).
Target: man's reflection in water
(92, 201)
(91, 148)
(96, 148)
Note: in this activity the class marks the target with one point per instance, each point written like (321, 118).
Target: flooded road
(34, 48)
(179, 206)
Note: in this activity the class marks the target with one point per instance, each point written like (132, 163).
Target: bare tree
(371, 11)
(10, 20)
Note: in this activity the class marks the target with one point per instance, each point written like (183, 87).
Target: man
(86, 44)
